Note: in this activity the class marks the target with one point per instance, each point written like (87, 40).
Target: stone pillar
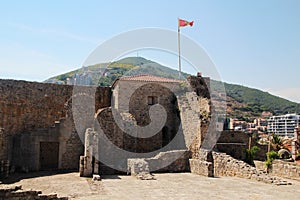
(89, 163)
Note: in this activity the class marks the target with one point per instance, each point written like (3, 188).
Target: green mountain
(105, 73)
(242, 102)
(247, 102)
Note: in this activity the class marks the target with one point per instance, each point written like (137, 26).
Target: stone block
(96, 177)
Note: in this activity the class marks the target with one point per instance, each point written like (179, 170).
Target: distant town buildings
(283, 125)
(259, 125)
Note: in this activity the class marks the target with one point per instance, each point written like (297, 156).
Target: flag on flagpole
(182, 23)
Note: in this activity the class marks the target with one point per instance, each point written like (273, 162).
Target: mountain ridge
(243, 102)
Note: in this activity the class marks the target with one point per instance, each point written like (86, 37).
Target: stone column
(89, 163)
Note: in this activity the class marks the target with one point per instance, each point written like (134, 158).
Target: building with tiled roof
(146, 78)
(125, 87)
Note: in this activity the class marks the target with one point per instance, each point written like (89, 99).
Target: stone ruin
(38, 130)
(167, 151)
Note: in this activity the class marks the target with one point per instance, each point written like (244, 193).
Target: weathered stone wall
(132, 98)
(204, 165)
(139, 109)
(285, 169)
(136, 147)
(32, 112)
(195, 107)
(235, 143)
(194, 123)
(225, 165)
(169, 161)
(201, 167)
(27, 106)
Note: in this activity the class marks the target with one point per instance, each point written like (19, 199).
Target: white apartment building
(283, 125)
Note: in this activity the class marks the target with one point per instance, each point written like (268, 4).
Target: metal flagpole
(179, 58)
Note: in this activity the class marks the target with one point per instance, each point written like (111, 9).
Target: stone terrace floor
(166, 186)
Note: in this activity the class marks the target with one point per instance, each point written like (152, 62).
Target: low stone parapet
(285, 169)
(225, 165)
(200, 167)
(169, 161)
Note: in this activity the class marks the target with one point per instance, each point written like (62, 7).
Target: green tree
(278, 142)
(250, 153)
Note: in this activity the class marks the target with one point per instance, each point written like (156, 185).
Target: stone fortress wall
(33, 115)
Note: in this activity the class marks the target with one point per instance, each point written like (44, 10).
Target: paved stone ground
(166, 186)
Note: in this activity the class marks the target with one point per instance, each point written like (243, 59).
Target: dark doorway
(165, 136)
(49, 155)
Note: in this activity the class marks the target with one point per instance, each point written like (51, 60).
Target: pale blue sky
(253, 43)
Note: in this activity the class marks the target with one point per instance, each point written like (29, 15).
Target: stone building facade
(135, 96)
(143, 105)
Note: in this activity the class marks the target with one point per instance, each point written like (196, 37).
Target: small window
(152, 100)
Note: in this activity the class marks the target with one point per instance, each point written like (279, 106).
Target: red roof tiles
(149, 78)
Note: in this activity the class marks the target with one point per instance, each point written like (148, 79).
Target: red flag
(182, 23)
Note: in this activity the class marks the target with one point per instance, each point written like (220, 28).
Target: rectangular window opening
(152, 100)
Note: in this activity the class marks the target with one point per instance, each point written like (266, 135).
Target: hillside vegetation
(255, 101)
(242, 102)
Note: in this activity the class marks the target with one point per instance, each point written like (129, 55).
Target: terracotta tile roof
(149, 78)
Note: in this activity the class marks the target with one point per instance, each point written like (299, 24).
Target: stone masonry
(286, 169)
(169, 161)
(204, 164)
(216, 164)
(225, 165)
(34, 114)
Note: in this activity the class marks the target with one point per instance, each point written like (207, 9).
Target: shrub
(272, 155)
(250, 153)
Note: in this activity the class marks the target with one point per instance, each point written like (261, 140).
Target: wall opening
(152, 100)
(49, 155)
